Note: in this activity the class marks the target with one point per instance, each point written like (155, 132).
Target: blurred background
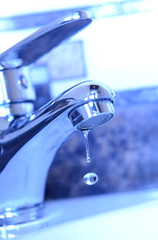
(119, 48)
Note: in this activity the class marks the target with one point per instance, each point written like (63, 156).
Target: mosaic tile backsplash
(124, 151)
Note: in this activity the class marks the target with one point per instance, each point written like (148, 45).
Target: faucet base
(11, 220)
(10, 216)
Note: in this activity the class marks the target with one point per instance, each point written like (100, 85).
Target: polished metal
(16, 92)
(43, 40)
(15, 86)
(91, 114)
(29, 140)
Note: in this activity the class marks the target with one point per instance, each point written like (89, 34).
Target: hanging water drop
(85, 133)
(90, 178)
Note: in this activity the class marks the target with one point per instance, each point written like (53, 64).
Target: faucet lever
(43, 40)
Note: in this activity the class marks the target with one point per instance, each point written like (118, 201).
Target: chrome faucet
(29, 140)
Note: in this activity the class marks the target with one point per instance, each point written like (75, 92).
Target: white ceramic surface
(129, 216)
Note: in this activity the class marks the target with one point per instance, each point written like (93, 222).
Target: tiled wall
(60, 69)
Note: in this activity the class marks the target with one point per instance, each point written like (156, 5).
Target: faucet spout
(29, 145)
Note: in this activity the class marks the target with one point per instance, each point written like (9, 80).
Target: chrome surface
(46, 38)
(29, 140)
(11, 216)
(16, 92)
(91, 114)
(15, 86)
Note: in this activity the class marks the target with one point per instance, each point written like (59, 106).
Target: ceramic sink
(125, 216)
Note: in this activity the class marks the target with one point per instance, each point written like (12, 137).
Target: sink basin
(125, 216)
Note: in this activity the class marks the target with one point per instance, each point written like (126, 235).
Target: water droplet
(85, 133)
(90, 178)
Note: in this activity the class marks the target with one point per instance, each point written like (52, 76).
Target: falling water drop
(90, 178)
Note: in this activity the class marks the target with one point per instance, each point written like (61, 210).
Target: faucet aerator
(92, 114)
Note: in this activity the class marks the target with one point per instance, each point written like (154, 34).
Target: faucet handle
(16, 91)
(42, 41)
